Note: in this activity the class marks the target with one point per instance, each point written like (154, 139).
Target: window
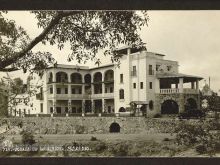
(150, 85)
(58, 91)
(41, 107)
(51, 109)
(111, 89)
(73, 109)
(121, 94)
(106, 90)
(80, 91)
(73, 91)
(134, 85)
(66, 90)
(121, 78)
(150, 70)
(169, 68)
(151, 105)
(66, 109)
(142, 85)
(157, 67)
(134, 72)
(58, 109)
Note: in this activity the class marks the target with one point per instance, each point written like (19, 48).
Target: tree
(85, 31)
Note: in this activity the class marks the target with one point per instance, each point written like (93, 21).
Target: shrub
(166, 139)
(157, 115)
(100, 147)
(201, 149)
(93, 138)
(120, 149)
(198, 135)
(27, 137)
(80, 129)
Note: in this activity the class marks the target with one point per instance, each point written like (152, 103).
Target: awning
(176, 76)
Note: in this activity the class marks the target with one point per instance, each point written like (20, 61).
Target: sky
(190, 37)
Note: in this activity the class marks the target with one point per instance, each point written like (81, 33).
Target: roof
(176, 76)
(63, 66)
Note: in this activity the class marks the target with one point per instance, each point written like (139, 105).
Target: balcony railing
(169, 91)
(190, 91)
(177, 90)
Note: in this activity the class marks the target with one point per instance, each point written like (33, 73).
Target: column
(197, 86)
(69, 91)
(103, 84)
(192, 85)
(181, 85)
(103, 105)
(157, 85)
(83, 86)
(69, 105)
(83, 106)
(92, 106)
(54, 106)
(176, 85)
(92, 85)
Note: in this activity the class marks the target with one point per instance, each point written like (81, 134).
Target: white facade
(140, 78)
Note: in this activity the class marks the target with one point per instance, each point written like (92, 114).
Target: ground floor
(81, 106)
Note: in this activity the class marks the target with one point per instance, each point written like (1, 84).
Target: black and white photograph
(110, 83)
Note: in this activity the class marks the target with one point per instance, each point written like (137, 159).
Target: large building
(144, 82)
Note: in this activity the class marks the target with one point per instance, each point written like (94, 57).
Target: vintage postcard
(122, 83)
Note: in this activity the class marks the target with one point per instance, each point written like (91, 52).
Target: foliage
(80, 129)
(93, 138)
(85, 31)
(27, 137)
(198, 135)
(100, 147)
(120, 149)
(157, 115)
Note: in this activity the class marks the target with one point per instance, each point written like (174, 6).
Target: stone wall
(91, 125)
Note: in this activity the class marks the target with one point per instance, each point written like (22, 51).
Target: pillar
(69, 105)
(92, 106)
(54, 106)
(103, 105)
(181, 85)
(192, 85)
(69, 91)
(157, 85)
(83, 106)
(176, 86)
(197, 86)
(92, 86)
(103, 84)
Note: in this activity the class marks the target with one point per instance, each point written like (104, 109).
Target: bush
(201, 149)
(157, 115)
(166, 139)
(27, 137)
(120, 149)
(198, 135)
(80, 129)
(100, 147)
(93, 138)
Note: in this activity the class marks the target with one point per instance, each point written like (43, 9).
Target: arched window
(121, 94)
(151, 105)
(50, 77)
(114, 128)
(122, 109)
